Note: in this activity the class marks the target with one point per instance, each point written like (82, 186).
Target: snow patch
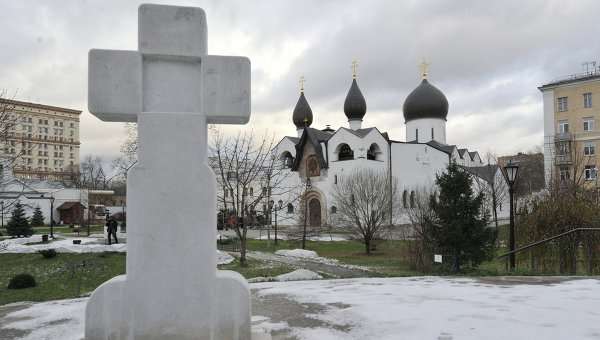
(296, 275)
(224, 258)
(302, 253)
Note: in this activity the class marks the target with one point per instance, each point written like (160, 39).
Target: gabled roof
(70, 205)
(449, 149)
(473, 154)
(312, 136)
(486, 172)
(461, 152)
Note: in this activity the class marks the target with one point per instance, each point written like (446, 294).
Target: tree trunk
(368, 246)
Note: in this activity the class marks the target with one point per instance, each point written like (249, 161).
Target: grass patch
(257, 268)
(53, 276)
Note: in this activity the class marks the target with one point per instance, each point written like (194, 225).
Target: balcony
(564, 136)
(563, 159)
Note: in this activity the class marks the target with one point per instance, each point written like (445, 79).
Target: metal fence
(575, 252)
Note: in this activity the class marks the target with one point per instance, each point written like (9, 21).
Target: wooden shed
(71, 212)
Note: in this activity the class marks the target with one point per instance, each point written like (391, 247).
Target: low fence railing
(575, 251)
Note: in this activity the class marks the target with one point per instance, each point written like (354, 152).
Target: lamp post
(52, 217)
(596, 178)
(305, 212)
(280, 203)
(511, 170)
(269, 225)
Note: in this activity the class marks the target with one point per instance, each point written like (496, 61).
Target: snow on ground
(302, 253)
(314, 238)
(88, 245)
(392, 308)
(296, 275)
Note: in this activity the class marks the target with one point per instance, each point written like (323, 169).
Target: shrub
(18, 225)
(37, 219)
(76, 230)
(71, 226)
(22, 281)
(48, 253)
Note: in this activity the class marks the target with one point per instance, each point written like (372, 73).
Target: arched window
(405, 199)
(373, 151)
(333, 210)
(345, 153)
(287, 159)
(290, 208)
(412, 199)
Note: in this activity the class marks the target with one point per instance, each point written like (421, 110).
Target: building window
(333, 210)
(563, 104)
(588, 124)
(587, 100)
(345, 153)
(412, 199)
(565, 173)
(405, 199)
(432, 134)
(290, 208)
(589, 172)
(334, 179)
(589, 148)
(563, 126)
(225, 192)
(251, 191)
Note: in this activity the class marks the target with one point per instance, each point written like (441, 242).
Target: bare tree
(365, 204)
(15, 144)
(129, 146)
(417, 210)
(248, 174)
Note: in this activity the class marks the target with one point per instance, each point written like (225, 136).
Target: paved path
(332, 269)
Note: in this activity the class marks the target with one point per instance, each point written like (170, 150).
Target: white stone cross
(173, 89)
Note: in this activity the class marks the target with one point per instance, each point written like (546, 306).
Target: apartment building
(571, 134)
(42, 140)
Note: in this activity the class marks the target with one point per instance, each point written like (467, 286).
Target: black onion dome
(302, 112)
(355, 105)
(426, 101)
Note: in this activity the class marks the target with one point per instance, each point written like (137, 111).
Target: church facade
(317, 160)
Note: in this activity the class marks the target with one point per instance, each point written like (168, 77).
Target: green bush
(71, 226)
(48, 253)
(22, 281)
(76, 230)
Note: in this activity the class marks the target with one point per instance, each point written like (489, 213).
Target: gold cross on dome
(354, 66)
(301, 81)
(305, 121)
(424, 66)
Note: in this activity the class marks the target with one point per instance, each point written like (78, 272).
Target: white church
(323, 157)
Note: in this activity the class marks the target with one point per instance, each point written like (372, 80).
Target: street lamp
(280, 203)
(52, 217)
(305, 212)
(511, 170)
(269, 225)
(596, 178)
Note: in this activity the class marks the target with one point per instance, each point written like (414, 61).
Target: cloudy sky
(488, 57)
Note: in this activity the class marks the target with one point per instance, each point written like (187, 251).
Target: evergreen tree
(37, 219)
(18, 225)
(460, 228)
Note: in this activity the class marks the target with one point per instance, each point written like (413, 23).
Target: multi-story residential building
(571, 134)
(42, 140)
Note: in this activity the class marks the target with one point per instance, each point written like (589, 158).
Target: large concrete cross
(173, 89)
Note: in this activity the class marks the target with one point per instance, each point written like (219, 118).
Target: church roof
(461, 152)
(303, 115)
(355, 105)
(425, 101)
(449, 149)
(486, 172)
(312, 136)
